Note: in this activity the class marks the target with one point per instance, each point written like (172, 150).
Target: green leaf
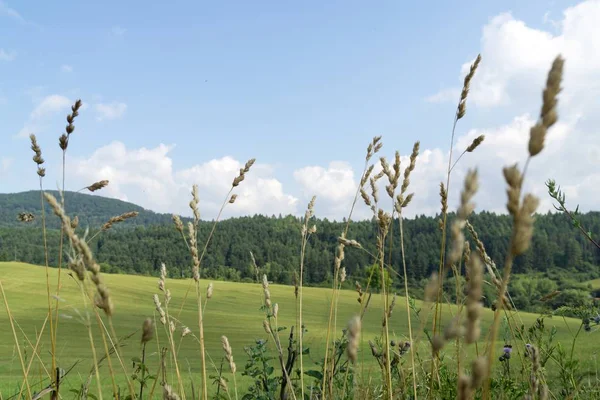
(314, 374)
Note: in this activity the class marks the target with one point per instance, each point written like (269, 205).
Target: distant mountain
(92, 210)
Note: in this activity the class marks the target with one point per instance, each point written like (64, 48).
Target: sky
(184, 92)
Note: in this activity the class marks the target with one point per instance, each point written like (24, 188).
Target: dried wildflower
(342, 274)
(275, 310)
(168, 393)
(373, 147)
(78, 267)
(267, 293)
(194, 251)
(228, 353)
(186, 331)
(37, 158)
(159, 309)
(410, 168)
(243, 171)
(163, 277)
(147, 330)
(267, 327)
(232, 198)
(476, 142)
(97, 185)
(443, 198)
(349, 243)
(194, 203)
(209, 290)
(25, 217)
(75, 222)
(63, 141)
(548, 115)
(353, 338)
(118, 219)
(178, 223)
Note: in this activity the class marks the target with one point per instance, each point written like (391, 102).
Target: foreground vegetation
(451, 345)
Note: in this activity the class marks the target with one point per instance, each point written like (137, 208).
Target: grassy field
(595, 283)
(234, 310)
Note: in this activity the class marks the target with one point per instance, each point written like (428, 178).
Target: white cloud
(46, 107)
(516, 56)
(516, 60)
(66, 68)
(334, 187)
(146, 177)
(118, 31)
(7, 55)
(110, 111)
(444, 96)
(50, 105)
(10, 12)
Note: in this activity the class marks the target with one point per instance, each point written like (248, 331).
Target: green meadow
(234, 310)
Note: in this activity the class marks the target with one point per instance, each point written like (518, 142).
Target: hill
(92, 210)
(140, 245)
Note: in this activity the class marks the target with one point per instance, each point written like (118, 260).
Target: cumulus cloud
(110, 111)
(334, 187)
(66, 68)
(516, 56)
(146, 177)
(45, 108)
(516, 60)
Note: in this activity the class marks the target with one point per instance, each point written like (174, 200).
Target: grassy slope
(233, 311)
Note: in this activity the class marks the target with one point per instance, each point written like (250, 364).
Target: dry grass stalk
(464, 210)
(473, 302)
(243, 171)
(118, 219)
(354, 327)
(548, 114)
(178, 223)
(169, 393)
(462, 105)
(37, 158)
(475, 143)
(97, 185)
(103, 299)
(228, 353)
(63, 141)
(522, 212)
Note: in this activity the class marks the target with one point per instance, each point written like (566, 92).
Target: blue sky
(295, 84)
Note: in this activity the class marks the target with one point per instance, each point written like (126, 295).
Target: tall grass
(451, 360)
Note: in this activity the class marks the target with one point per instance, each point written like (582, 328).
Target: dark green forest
(559, 258)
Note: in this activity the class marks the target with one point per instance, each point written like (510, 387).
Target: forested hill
(92, 210)
(141, 244)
